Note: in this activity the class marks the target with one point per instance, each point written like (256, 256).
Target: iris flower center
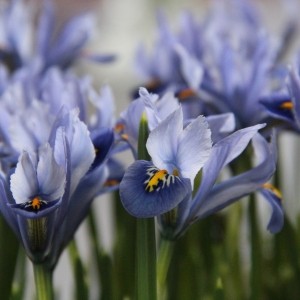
(158, 179)
(287, 105)
(34, 204)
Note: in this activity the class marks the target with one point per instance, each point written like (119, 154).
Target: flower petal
(166, 192)
(163, 141)
(51, 176)
(277, 217)
(222, 153)
(236, 187)
(194, 148)
(24, 183)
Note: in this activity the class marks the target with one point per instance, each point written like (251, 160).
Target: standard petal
(51, 176)
(194, 148)
(191, 68)
(23, 182)
(143, 200)
(163, 141)
(81, 149)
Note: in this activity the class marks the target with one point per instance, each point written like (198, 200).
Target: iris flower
(23, 42)
(163, 187)
(283, 105)
(47, 195)
(152, 188)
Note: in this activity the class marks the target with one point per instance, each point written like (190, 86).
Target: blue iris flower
(163, 187)
(283, 105)
(151, 188)
(224, 64)
(48, 193)
(24, 43)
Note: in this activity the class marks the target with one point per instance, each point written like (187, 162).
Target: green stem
(78, 271)
(145, 288)
(163, 263)
(43, 282)
(104, 264)
(256, 253)
(9, 247)
(146, 260)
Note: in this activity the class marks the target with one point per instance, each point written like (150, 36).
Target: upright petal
(51, 176)
(162, 143)
(24, 183)
(194, 148)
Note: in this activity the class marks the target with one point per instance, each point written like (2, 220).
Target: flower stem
(78, 271)
(103, 261)
(146, 260)
(43, 282)
(145, 288)
(256, 252)
(163, 263)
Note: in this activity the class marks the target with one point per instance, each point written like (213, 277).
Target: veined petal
(248, 182)
(162, 143)
(194, 148)
(277, 217)
(24, 183)
(51, 176)
(222, 153)
(147, 191)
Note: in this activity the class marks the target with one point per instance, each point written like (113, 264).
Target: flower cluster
(202, 131)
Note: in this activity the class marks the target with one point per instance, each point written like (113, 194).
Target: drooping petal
(194, 148)
(163, 141)
(24, 183)
(248, 182)
(147, 191)
(277, 216)
(222, 153)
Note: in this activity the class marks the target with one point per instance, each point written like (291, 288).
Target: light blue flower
(23, 42)
(47, 195)
(152, 188)
(283, 105)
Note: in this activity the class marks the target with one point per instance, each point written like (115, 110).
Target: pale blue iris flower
(23, 44)
(163, 187)
(151, 188)
(52, 186)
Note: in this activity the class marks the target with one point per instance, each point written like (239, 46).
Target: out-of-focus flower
(24, 42)
(283, 105)
(224, 64)
(54, 158)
